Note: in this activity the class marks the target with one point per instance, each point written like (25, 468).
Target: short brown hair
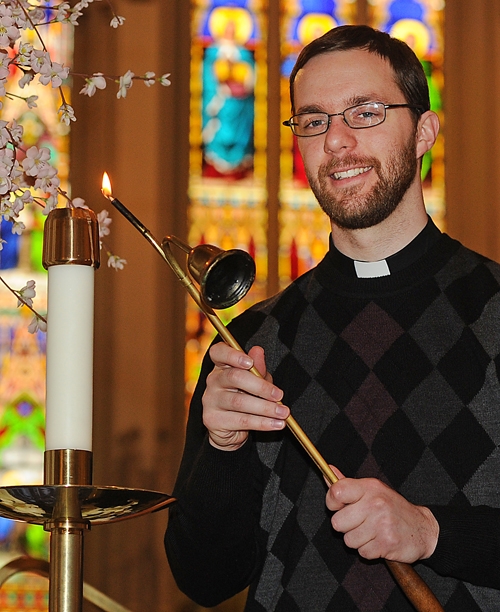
(409, 74)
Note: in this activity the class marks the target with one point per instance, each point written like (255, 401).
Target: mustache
(347, 161)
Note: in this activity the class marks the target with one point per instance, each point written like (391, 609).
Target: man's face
(358, 176)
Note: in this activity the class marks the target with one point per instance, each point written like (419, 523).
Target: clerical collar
(394, 263)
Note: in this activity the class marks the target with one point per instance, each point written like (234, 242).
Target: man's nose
(339, 135)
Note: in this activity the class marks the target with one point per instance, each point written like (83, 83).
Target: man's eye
(367, 114)
(314, 122)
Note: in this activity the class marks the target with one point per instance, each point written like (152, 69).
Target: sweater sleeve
(468, 547)
(212, 535)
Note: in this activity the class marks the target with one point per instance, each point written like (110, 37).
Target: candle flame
(106, 186)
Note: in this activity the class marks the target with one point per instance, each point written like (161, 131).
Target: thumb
(259, 360)
(338, 474)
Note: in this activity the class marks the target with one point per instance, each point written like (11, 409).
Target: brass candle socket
(71, 236)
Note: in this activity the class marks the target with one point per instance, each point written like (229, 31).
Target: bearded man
(387, 354)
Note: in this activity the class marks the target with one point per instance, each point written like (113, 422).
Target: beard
(351, 210)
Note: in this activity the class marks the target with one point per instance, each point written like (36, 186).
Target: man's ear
(427, 131)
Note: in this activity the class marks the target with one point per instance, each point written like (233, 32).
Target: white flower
(149, 79)
(16, 131)
(83, 4)
(50, 204)
(39, 59)
(18, 228)
(24, 54)
(20, 18)
(164, 80)
(31, 101)
(26, 79)
(96, 81)
(67, 113)
(117, 20)
(18, 205)
(5, 10)
(5, 179)
(4, 134)
(116, 262)
(4, 73)
(36, 161)
(125, 83)
(62, 10)
(37, 324)
(104, 221)
(27, 293)
(74, 14)
(79, 203)
(9, 32)
(5, 183)
(37, 15)
(5, 60)
(53, 73)
(6, 157)
(48, 184)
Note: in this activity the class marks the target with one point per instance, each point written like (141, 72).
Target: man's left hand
(379, 522)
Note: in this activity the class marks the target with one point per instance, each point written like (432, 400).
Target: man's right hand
(237, 401)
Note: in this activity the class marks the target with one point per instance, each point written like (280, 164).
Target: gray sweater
(394, 378)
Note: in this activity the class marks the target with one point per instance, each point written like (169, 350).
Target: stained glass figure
(228, 94)
(227, 187)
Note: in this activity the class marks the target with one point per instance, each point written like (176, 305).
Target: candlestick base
(40, 504)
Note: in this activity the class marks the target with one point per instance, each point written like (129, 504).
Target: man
(387, 354)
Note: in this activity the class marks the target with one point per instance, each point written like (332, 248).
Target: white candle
(70, 332)
(71, 254)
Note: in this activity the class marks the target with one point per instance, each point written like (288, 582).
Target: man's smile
(344, 174)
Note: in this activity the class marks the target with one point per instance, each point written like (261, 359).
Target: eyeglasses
(356, 117)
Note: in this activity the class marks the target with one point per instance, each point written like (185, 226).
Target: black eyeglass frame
(289, 123)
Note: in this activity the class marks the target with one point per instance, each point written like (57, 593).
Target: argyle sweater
(395, 378)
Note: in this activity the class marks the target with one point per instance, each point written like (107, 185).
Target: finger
(367, 546)
(344, 491)
(223, 356)
(349, 520)
(242, 412)
(235, 379)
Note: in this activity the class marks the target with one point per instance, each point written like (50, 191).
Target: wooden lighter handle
(414, 587)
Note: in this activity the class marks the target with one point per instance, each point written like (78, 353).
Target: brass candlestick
(68, 504)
